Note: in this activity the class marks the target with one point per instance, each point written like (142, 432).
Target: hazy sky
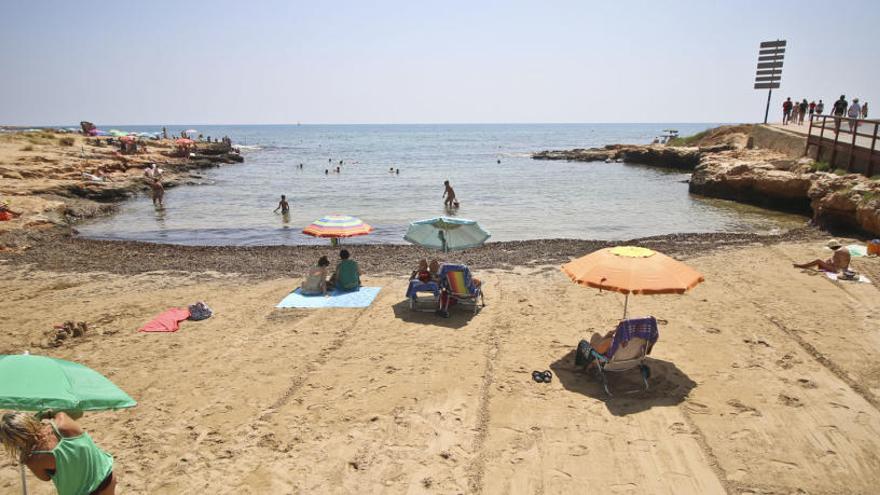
(223, 62)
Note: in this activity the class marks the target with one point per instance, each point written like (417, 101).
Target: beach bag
(199, 311)
(874, 247)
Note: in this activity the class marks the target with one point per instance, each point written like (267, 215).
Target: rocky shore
(52, 180)
(728, 163)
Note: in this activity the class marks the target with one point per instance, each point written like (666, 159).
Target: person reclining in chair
(347, 275)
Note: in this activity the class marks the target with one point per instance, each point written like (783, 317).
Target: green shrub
(66, 141)
(839, 171)
(687, 140)
(821, 167)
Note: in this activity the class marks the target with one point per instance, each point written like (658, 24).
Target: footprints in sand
(741, 408)
(789, 401)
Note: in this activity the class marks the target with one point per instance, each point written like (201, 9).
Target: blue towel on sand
(338, 299)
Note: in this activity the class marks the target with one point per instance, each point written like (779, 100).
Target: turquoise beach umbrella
(446, 234)
(40, 383)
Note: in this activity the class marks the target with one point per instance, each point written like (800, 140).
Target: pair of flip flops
(542, 376)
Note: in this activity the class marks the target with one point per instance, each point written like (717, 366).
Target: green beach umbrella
(446, 234)
(40, 383)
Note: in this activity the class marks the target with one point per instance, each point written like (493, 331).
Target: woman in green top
(347, 275)
(59, 450)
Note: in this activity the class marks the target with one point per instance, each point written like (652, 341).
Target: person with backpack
(838, 110)
(786, 110)
(802, 110)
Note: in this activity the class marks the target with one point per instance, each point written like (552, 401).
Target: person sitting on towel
(838, 262)
(347, 275)
(316, 281)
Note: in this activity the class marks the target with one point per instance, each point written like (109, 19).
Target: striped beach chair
(457, 283)
(633, 340)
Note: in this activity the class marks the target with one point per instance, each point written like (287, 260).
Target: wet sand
(765, 378)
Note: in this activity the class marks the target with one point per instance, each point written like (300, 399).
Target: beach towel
(416, 286)
(167, 321)
(360, 298)
(857, 250)
(863, 279)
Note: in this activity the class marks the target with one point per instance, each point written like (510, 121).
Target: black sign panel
(774, 51)
(767, 85)
(771, 58)
(770, 65)
(772, 44)
(775, 78)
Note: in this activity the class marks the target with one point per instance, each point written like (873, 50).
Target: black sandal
(548, 377)
(538, 376)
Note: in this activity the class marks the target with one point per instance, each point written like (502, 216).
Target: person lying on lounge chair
(316, 281)
(838, 262)
(602, 344)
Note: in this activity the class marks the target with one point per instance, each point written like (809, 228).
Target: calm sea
(518, 198)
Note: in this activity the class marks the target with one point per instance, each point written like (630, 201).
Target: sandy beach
(764, 379)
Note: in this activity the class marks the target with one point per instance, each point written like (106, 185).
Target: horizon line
(300, 124)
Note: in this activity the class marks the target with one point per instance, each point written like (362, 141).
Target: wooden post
(821, 138)
(834, 146)
(854, 129)
(809, 135)
(871, 154)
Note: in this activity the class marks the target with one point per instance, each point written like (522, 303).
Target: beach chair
(415, 302)
(632, 342)
(457, 283)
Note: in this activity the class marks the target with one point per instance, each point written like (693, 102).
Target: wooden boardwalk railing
(842, 142)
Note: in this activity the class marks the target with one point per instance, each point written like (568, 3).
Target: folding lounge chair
(417, 286)
(456, 282)
(633, 341)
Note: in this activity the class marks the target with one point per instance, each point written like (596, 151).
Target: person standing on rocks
(802, 111)
(854, 112)
(838, 110)
(865, 110)
(820, 107)
(812, 108)
(786, 110)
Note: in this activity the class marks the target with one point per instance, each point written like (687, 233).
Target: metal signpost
(769, 72)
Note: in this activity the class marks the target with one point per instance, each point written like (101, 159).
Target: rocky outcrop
(685, 158)
(770, 179)
(751, 176)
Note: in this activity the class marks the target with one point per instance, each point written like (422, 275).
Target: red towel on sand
(167, 321)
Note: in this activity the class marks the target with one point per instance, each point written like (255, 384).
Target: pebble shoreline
(69, 253)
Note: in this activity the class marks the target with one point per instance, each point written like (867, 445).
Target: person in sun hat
(838, 262)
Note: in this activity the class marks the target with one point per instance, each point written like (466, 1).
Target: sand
(765, 380)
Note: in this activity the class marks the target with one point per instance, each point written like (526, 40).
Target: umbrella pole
(625, 304)
(23, 480)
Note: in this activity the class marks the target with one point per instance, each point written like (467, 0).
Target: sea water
(497, 183)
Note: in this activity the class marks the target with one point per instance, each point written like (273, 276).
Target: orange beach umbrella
(632, 270)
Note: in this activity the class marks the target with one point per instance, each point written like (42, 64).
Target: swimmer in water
(283, 206)
(449, 194)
